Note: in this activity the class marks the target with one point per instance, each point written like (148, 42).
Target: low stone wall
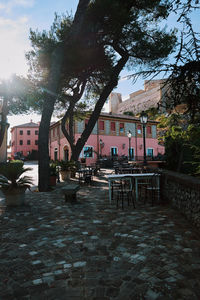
(183, 192)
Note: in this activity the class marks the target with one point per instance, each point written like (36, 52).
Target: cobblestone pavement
(92, 250)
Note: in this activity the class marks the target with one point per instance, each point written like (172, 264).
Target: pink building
(108, 138)
(24, 139)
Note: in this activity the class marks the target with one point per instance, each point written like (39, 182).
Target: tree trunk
(52, 90)
(4, 120)
(48, 107)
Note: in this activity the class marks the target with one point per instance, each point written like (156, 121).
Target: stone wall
(183, 192)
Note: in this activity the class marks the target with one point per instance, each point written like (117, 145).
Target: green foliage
(10, 175)
(14, 92)
(53, 168)
(67, 165)
(184, 81)
(182, 148)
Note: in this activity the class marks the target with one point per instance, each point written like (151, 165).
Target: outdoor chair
(87, 176)
(125, 193)
(115, 186)
(152, 190)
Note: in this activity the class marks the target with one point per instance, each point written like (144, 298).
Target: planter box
(65, 175)
(15, 197)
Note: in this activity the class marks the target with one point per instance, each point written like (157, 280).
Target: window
(21, 142)
(58, 131)
(112, 126)
(21, 132)
(101, 125)
(88, 151)
(149, 130)
(36, 142)
(139, 129)
(28, 132)
(28, 142)
(150, 152)
(114, 151)
(36, 132)
(121, 127)
(53, 131)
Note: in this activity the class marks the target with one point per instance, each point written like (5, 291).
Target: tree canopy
(86, 62)
(13, 93)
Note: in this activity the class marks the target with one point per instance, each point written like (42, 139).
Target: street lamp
(129, 139)
(143, 120)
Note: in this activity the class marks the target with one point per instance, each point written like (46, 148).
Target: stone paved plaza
(92, 250)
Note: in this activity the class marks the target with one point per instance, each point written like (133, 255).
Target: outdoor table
(136, 176)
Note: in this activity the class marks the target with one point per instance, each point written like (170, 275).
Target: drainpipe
(59, 140)
(98, 139)
(136, 153)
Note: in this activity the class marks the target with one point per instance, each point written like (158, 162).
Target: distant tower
(114, 100)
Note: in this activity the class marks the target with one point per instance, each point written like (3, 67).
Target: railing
(108, 161)
(150, 158)
(159, 157)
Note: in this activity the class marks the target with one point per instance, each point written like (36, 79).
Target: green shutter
(154, 135)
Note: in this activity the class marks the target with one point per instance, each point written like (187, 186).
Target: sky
(16, 19)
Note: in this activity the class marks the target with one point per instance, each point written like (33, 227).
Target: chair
(125, 193)
(87, 176)
(152, 189)
(115, 186)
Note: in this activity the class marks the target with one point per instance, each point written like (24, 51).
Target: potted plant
(53, 173)
(67, 169)
(12, 184)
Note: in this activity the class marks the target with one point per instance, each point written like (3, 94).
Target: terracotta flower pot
(52, 180)
(65, 175)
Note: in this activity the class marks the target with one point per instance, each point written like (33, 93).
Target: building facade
(24, 139)
(108, 138)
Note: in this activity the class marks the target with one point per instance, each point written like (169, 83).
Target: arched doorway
(66, 153)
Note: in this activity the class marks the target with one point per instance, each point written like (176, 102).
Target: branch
(102, 99)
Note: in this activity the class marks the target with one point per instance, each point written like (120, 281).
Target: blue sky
(16, 19)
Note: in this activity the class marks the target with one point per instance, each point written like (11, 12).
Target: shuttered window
(148, 129)
(112, 126)
(101, 125)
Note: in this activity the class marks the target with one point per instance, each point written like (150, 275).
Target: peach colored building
(108, 138)
(24, 139)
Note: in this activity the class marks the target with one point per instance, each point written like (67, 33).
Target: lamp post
(143, 120)
(129, 139)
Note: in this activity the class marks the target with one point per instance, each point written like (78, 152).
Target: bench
(69, 192)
